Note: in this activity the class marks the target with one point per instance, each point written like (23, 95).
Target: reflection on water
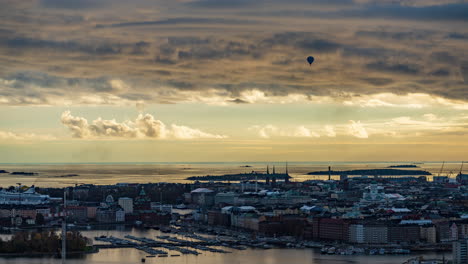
(51, 175)
(254, 256)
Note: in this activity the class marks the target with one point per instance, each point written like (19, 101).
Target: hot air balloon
(310, 60)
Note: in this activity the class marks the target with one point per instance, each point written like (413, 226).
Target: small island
(403, 166)
(67, 176)
(241, 177)
(24, 173)
(379, 172)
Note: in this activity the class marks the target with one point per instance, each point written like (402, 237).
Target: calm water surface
(254, 256)
(53, 174)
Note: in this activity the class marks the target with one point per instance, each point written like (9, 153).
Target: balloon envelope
(310, 59)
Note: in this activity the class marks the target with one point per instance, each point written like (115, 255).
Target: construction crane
(442, 168)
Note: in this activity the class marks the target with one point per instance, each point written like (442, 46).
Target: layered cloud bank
(211, 51)
(143, 127)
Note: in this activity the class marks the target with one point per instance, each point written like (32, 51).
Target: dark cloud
(229, 4)
(222, 3)
(141, 48)
(308, 41)
(396, 35)
(238, 101)
(319, 45)
(440, 73)
(443, 57)
(378, 81)
(190, 40)
(369, 52)
(73, 4)
(26, 80)
(394, 68)
(178, 21)
(430, 13)
(137, 96)
(455, 35)
(464, 71)
(222, 50)
(30, 43)
(164, 60)
(181, 85)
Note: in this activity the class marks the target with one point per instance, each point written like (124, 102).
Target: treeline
(43, 242)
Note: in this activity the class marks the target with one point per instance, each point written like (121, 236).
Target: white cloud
(357, 129)
(143, 127)
(77, 125)
(330, 131)
(269, 131)
(302, 131)
(184, 132)
(430, 117)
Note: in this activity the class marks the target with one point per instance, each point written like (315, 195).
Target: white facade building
(127, 204)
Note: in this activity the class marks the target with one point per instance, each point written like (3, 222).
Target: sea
(249, 256)
(66, 174)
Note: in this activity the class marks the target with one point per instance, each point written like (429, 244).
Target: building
(404, 233)
(105, 215)
(332, 229)
(356, 233)
(226, 198)
(91, 211)
(428, 233)
(440, 179)
(375, 234)
(166, 208)
(142, 202)
(203, 197)
(77, 213)
(120, 215)
(459, 251)
(218, 218)
(126, 204)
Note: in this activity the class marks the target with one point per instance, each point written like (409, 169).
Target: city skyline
(205, 80)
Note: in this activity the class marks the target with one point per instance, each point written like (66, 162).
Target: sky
(228, 80)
